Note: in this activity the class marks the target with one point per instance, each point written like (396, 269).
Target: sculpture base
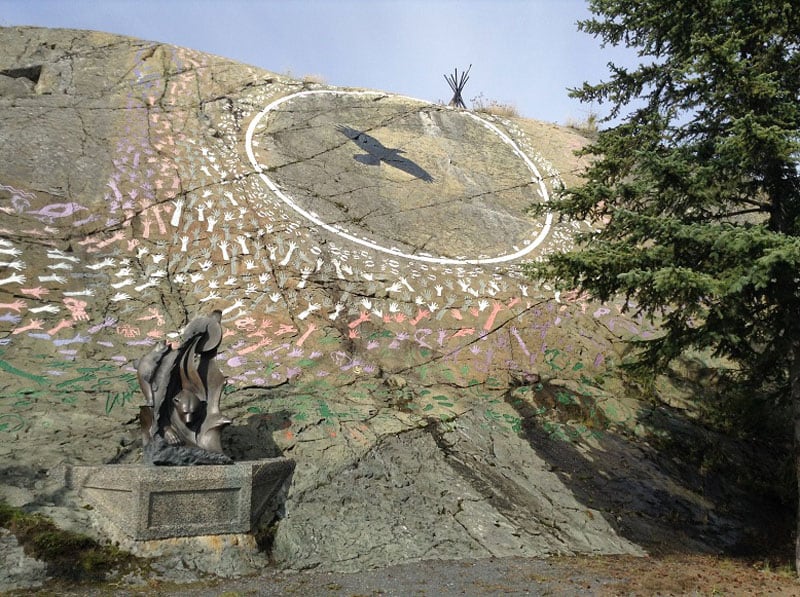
(153, 502)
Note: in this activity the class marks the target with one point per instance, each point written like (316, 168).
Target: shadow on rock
(250, 438)
(376, 153)
(651, 493)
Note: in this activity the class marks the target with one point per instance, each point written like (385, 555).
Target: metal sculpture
(457, 84)
(181, 420)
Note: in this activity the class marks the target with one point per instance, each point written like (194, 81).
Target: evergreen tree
(696, 193)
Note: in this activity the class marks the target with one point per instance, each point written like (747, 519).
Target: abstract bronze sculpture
(181, 421)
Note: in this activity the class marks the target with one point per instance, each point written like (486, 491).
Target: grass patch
(589, 126)
(68, 556)
(493, 107)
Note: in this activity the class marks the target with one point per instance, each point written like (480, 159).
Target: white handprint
(148, 284)
(288, 256)
(405, 283)
(338, 266)
(126, 282)
(19, 278)
(84, 292)
(58, 254)
(107, 262)
(18, 265)
(338, 308)
(223, 246)
(236, 304)
(309, 310)
(304, 274)
(53, 278)
(242, 240)
(45, 309)
(176, 215)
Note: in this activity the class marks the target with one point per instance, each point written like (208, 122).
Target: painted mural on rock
(345, 235)
(365, 251)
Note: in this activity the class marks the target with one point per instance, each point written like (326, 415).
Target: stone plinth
(154, 502)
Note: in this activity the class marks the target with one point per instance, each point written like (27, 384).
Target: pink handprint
(76, 308)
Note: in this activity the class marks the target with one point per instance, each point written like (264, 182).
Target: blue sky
(525, 53)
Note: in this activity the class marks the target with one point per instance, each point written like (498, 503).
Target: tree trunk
(795, 381)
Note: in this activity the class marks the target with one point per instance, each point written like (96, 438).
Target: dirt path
(601, 576)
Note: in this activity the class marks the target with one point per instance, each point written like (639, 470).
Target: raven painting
(377, 153)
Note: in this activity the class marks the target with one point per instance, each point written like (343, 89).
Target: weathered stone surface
(18, 571)
(433, 493)
(365, 252)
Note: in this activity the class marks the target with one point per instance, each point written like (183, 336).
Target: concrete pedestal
(155, 502)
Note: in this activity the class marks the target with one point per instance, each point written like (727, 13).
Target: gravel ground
(565, 576)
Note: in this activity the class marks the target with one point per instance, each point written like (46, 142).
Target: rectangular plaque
(187, 508)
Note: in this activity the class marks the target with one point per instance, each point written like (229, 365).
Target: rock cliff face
(365, 251)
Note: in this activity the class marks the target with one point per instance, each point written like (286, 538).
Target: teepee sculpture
(457, 85)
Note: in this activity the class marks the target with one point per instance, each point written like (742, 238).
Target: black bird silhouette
(377, 153)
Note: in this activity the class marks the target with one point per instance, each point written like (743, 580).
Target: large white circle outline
(366, 243)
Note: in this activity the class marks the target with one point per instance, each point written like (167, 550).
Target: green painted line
(74, 380)
(118, 399)
(11, 422)
(27, 392)
(100, 368)
(6, 366)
